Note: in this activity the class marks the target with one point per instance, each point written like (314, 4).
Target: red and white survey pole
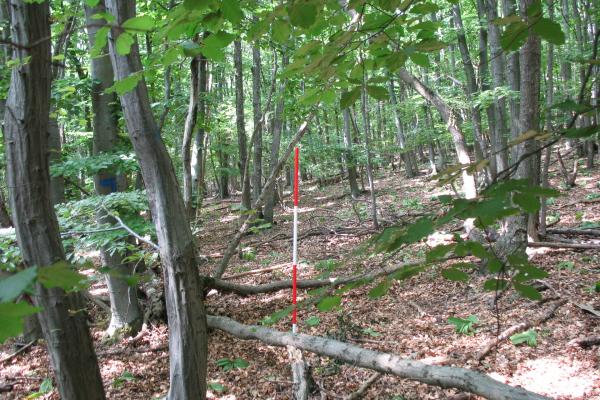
(295, 242)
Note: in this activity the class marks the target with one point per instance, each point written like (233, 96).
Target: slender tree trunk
(513, 77)
(240, 123)
(409, 166)
(452, 123)
(188, 343)
(257, 114)
(367, 129)
(125, 309)
(188, 132)
(200, 139)
(498, 68)
(26, 127)
(349, 156)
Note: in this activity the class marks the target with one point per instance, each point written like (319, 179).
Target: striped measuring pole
(295, 242)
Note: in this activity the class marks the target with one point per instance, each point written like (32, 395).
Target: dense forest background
(448, 198)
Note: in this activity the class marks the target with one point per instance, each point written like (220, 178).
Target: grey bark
(200, 139)
(183, 287)
(500, 160)
(409, 167)
(367, 130)
(513, 76)
(240, 123)
(447, 377)
(188, 131)
(26, 139)
(349, 156)
(125, 310)
(257, 115)
(452, 121)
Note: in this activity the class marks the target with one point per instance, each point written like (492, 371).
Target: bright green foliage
(464, 326)
(62, 275)
(329, 303)
(11, 315)
(45, 388)
(14, 285)
(126, 376)
(529, 337)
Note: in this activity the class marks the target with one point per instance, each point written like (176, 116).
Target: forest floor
(410, 321)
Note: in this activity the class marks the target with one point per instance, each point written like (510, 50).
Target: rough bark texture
(447, 377)
(183, 287)
(188, 131)
(240, 123)
(26, 128)
(124, 305)
(512, 75)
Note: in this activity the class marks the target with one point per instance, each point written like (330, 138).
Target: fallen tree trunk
(573, 231)
(554, 245)
(446, 377)
(246, 290)
(518, 328)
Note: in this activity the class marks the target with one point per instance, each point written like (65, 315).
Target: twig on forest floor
(16, 353)
(364, 387)
(518, 328)
(586, 341)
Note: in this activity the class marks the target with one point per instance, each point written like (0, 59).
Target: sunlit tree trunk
(188, 133)
(63, 317)
(367, 130)
(240, 123)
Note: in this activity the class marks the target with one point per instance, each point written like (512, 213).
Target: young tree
(240, 123)
(62, 317)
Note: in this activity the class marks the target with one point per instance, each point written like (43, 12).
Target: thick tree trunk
(240, 123)
(446, 377)
(5, 221)
(513, 76)
(126, 316)
(183, 287)
(26, 128)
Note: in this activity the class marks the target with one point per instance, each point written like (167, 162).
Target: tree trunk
(349, 156)
(26, 129)
(513, 77)
(183, 287)
(124, 305)
(201, 152)
(240, 123)
(452, 122)
(409, 166)
(257, 114)
(188, 132)
(500, 160)
(367, 129)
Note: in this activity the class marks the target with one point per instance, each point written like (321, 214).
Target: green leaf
(196, 4)
(216, 386)
(431, 45)
(527, 202)
(420, 59)
(328, 303)
(454, 274)
(313, 321)
(232, 11)
(303, 13)
(171, 55)
(100, 42)
(439, 251)
(13, 286)
(142, 23)
(577, 133)
(514, 36)
(277, 316)
(213, 53)
(493, 285)
(528, 272)
(190, 48)
(240, 363)
(125, 85)
(281, 31)
(529, 337)
(378, 92)
(11, 315)
(381, 289)
(464, 326)
(549, 31)
(124, 43)
(92, 3)
(62, 275)
(527, 291)
(349, 98)
(220, 39)
(424, 8)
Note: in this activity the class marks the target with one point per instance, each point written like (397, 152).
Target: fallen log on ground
(574, 231)
(247, 290)
(555, 245)
(586, 341)
(519, 328)
(446, 377)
